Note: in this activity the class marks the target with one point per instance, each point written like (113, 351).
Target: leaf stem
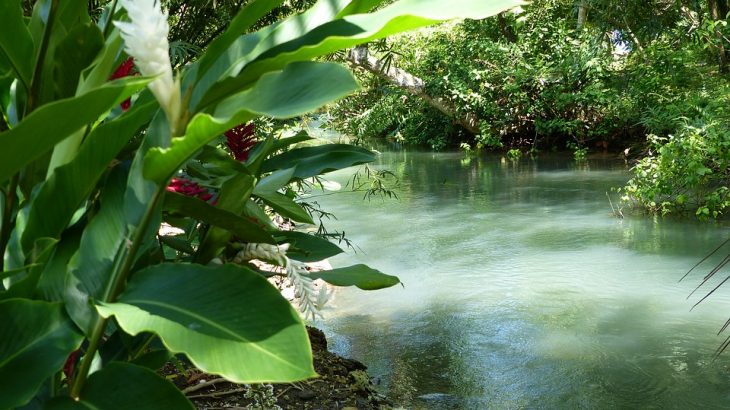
(108, 25)
(35, 81)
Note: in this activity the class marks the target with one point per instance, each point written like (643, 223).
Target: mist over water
(523, 290)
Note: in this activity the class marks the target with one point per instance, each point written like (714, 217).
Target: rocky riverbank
(343, 384)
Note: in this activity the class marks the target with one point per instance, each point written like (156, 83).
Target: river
(523, 290)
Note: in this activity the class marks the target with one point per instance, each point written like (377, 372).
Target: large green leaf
(311, 161)
(90, 268)
(246, 48)
(362, 276)
(350, 31)
(298, 89)
(16, 45)
(124, 386)
(35, 340)
(73, 54)
(359, 6)
(43, 128)
(26, 286)
(245, 18)
(247, 230)
(274, 182)
(234, 195)
(227, 319)
(52, 281)
(308, 248)
(286, 207)
(62, 194)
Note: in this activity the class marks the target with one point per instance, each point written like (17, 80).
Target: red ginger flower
(240, 140)
(189, 188)
(124, 70)
(68, 367)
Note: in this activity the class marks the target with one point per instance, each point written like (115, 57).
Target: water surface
(523, 290)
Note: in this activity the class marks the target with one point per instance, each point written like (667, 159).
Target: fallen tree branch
(361, 57)
(199, 386)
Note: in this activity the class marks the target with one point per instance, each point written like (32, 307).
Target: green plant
(514, 154)
(686, 172)
(579, 153)
(90, 285)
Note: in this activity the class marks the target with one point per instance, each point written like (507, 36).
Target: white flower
(311, 302)
(145, 39)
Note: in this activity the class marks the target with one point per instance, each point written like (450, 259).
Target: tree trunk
(360, 57)
(507, 31)
(722, 8)
(716, 14)
(582, 14)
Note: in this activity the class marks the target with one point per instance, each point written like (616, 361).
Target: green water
(522, 290)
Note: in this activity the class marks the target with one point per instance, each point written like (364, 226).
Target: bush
(685, 172)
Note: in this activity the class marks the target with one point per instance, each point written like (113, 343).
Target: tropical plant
(94, 297)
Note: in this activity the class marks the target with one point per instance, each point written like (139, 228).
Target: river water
(523, 290)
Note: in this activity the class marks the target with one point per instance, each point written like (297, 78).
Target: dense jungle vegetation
(646, 79)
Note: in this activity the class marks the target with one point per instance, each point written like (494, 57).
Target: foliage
(89, 176)
(689, 171)
(635, 76)
(553, 83)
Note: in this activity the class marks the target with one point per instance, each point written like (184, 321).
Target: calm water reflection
(523, 291)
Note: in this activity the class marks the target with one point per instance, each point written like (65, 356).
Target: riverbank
(343, 384)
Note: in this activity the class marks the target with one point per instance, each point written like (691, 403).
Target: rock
(306, 394)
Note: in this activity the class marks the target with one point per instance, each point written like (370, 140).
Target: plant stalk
(35, 81)
(114, 288)
(108, 25)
